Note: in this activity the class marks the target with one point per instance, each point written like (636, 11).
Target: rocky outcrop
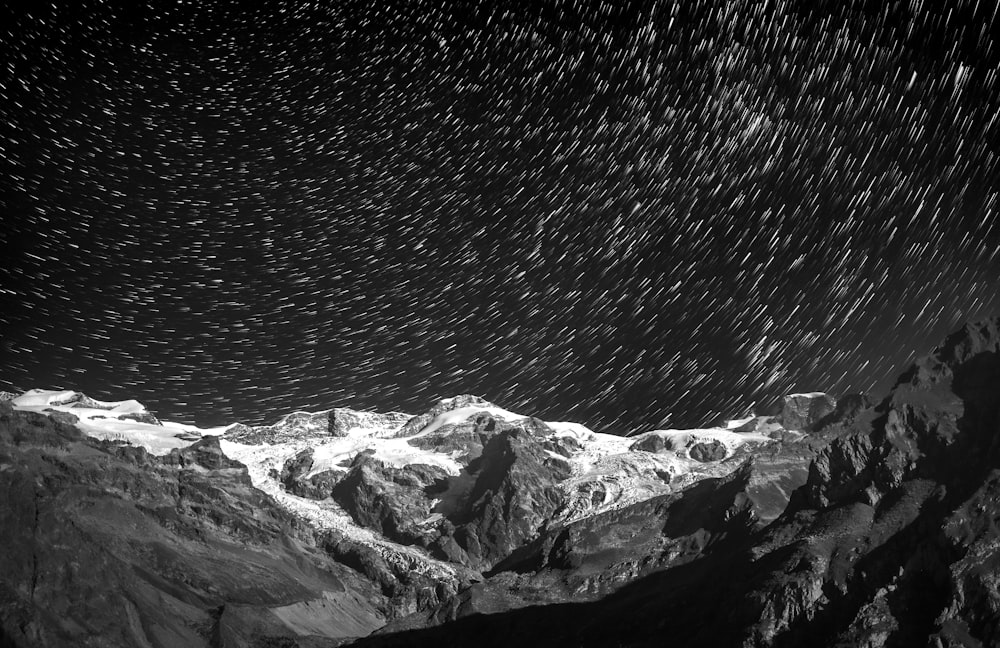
(464, 441)
(511, 498)
(109, 545)
(499, 501)
(872, 524)
(802, 412)
(396, 502)
(707, 451)
(890, 542)
(343, 421)
(592, 558)
(417, 423)
(654, 443)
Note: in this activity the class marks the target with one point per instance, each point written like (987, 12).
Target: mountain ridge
(836, 520)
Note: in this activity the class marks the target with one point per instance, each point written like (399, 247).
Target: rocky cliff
(891, 541)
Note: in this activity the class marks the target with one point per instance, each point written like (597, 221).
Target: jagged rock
(419, 422)
(291, 427)
(657, 443)
(343, 420)
(408, 586)
(6, 396)
(802, 411)
(590, 558)
(707, 451)
(653, 443)
(562, 445)
(295, 477)
(110, 544)
(972, 607)
(392, 501)
(511, 498)
(205, 453)
(65, 417)
(140, 417)
(463, 441)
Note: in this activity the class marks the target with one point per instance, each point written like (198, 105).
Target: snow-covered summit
(128, 420)
(336, 422)
(302, 456)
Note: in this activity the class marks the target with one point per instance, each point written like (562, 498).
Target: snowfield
(112, 420)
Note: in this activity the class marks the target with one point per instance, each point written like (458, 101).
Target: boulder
(707, 451)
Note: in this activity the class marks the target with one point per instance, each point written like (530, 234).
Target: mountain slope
(838, 521)
(108, 545)
(891, 542)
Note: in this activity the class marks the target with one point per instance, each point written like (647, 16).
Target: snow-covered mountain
(308, 462)
(322, 526)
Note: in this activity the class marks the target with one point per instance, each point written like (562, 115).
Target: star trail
(630, 215)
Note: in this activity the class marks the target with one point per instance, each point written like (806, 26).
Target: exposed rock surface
(337, 422)
(892, 541)
(708, 451)
(343, 421)
(802, 411)
(419, 422)
(107, 545)
(500, 499)
(840, 522)
(297, 425)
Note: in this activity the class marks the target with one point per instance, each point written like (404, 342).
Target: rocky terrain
(838, 521)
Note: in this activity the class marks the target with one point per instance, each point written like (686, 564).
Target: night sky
(629, 216)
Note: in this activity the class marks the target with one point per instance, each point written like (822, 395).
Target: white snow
(325, 514)
(99, 419)
(461, 414)
(807, 395)
(568, 428)
(728, 438)
(604, 474)
(328, 453)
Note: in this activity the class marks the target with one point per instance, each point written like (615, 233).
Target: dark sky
(627, 215)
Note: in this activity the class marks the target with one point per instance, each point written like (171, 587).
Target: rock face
(343, 421)
(892, 541)
(108, 545)
(297, 425)
(868, 524)
(708, 451)
(337, 422)
(802, 411)
(499, 500)
(419, 422)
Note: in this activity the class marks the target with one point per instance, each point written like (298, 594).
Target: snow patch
(462, 414)
(99, 419)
